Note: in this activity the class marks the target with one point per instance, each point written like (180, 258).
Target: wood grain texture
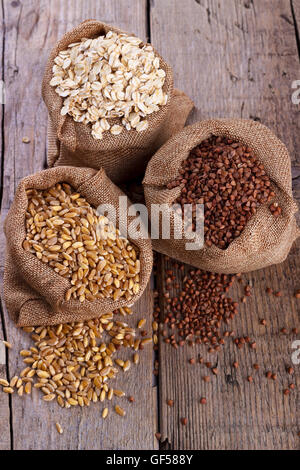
(238, 414)
(295, 5)
(4, 399)
(32, 28)
(235, 59)
(296, 10)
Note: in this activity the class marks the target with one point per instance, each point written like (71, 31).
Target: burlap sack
(34, 293)
(125, 155)
(266, 240)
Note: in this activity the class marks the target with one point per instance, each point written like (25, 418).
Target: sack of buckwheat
(110, 100)
(65, 260)
(241, 173)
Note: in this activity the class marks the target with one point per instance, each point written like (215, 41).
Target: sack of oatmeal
(111, 101)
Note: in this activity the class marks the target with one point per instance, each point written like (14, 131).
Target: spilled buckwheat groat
(65, 231)
(194, 314)
(199, 309)
(73, 363)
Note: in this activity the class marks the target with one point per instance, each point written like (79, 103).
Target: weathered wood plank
(4, 399)
(238, 415)
(295, 5)
(296, 17)
(32, 28)
(235, 59)
(296, 12)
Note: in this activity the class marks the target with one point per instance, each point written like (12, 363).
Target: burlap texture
(124, 155)
(266, 240)
(34, 293)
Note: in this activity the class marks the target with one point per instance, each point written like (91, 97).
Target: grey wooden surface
(31, 30)
(235, 58)
(5, 442)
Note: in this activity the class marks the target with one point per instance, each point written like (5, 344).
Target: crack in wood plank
(148, 19)
(295, 9)
(2, 38)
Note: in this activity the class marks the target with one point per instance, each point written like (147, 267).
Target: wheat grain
(59, 428)
(120, 410)
(74, 362)
(88, 249)
(4, 383)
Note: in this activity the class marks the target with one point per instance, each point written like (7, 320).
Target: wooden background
(234, 58)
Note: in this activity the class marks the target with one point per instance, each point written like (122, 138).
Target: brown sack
(122, 156)
(266, 240)
(34, 293)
